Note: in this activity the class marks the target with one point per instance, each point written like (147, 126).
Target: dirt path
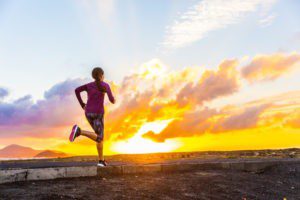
(275, 183)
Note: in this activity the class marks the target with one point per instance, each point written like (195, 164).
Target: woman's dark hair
(97, 71)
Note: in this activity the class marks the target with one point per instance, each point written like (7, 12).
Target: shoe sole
(72, 135)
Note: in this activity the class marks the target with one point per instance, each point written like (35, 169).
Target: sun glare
(153, 68)
(138, 144)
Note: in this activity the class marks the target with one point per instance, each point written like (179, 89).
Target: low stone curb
(14, 175)
(247, 166)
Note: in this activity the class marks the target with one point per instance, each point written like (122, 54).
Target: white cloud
(209, 15)
(268, 20)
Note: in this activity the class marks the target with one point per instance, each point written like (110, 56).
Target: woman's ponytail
(96, 73)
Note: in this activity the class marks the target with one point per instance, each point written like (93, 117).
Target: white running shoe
(102, 163)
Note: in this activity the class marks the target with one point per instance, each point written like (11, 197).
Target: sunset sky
(188, 75)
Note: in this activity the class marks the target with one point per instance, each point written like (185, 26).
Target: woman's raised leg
(89, 134)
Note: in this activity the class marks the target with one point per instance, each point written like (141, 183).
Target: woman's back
(95, 101)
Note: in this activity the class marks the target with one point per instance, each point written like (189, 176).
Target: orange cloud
(293, 120)
(269, 67)
(212, 84)
(167, 96)
(191, 124)
(210, 121)
(272, 112)
(245, 119)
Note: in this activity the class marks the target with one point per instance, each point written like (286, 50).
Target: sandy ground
(279, 182)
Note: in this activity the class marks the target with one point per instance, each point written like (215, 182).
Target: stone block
(237, 166)
(46, 173)
(209, 166)
(81, 171)
(225, 165)
(8, 176)
(151, 168)
(132, 169)
(109, 170)
(180, 167)
(136, 169)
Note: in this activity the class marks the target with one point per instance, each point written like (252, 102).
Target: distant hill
(51, 154)
(18, 151)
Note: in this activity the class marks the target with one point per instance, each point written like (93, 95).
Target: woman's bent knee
(99, 139)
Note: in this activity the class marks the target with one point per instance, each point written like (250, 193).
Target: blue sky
(46, 42)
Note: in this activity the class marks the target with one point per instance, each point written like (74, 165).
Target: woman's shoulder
(90, 83)
(104, 83)
(93, 84)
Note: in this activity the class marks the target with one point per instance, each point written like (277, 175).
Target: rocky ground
(278, 182)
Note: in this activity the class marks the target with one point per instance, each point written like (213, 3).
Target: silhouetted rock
(18, 151)
(50, 154)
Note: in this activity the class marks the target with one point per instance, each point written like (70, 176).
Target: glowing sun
(138, 144)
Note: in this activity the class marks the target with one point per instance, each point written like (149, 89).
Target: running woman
(94, 111)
